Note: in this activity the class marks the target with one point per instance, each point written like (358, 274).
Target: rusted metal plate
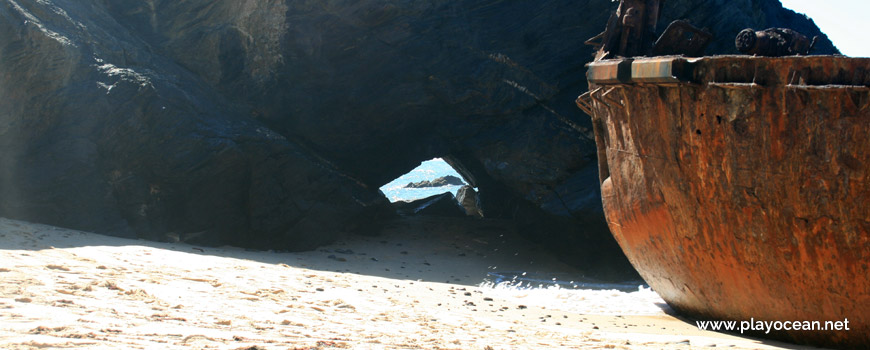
(680, 37)
(746, 196)
(630, 30)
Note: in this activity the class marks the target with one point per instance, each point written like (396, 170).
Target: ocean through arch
(429, 170)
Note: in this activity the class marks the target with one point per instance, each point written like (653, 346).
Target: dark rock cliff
(272, 123)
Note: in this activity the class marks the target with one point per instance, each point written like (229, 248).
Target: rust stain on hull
(743, 189)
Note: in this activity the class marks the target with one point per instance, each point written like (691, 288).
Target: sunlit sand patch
(69, 289)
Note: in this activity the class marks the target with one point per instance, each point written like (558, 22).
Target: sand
(415, 286)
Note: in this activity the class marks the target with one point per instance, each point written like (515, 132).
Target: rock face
(272, 123)
(100, 130)
(444, 204)
(469, 200)
(448, 180)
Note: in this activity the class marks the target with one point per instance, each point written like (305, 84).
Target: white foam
(644, 301)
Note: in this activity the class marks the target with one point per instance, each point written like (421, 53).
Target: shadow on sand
(462, 252)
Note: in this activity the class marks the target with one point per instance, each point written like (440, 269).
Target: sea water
(555, 292)
(642, 301)
(575, 294)
(428, 171)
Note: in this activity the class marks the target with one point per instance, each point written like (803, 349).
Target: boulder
(468, 199)
(448, 180)
(272, 123)
(444, 204)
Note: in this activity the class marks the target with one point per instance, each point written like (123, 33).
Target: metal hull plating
(739, 187)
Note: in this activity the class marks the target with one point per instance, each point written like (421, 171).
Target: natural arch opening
(436, 187)
(523, 232)
(432, 177)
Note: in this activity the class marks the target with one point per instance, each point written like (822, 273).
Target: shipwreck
(737, 185)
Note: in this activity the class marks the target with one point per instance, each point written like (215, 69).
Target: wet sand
(416, 286)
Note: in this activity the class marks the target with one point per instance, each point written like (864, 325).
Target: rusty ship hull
(739, 186)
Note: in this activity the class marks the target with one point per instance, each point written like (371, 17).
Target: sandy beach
(415, 286)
